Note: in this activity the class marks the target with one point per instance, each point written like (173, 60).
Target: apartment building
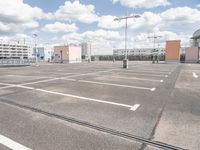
(138, 51)
(86, 49)
(13, 50)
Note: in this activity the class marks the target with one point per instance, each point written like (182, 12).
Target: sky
(58, 22)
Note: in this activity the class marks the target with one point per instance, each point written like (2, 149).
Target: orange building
(172, 51)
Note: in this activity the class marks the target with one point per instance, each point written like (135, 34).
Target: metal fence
(14, 62)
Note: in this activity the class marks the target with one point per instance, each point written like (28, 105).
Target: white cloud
(4, 28)
(147, 21)
(143, 40)
(171, 19)
(75, 11)
(181, 15)
(198, 5)
(20, 37)
(101, 35)
(97, 35)
(142, 3)
(107, 22)
(102, 40)
(20, 15)
(60, 27)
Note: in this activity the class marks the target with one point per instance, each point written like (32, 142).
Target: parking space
(103, 94)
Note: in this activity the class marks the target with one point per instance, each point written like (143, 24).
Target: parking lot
(100, 106)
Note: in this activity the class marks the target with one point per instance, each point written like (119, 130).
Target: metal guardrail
(14, 62)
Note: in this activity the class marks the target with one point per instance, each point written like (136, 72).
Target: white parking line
(141, 71)
(195, 75)
(53, 79)
(135, 107)
(140, 74)
(90, 73)
(12, 144)
(131, 107)
(135, 78)
(27, 76)
(88, 99)
(118, 85)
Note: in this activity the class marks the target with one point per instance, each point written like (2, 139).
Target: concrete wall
(74, 54)
(192, 54)
(173, 51)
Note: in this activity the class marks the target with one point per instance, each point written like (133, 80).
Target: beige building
(67, 54)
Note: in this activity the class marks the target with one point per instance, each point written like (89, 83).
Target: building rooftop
(196, 34)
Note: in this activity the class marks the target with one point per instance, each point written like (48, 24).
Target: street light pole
(154, 46)
(36, 55)
(125, 61)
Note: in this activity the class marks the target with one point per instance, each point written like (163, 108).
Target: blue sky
(61, 21)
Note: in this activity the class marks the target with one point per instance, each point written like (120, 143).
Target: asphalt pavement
(100, 106)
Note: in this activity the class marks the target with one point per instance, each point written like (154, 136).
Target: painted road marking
(153, 75)
(27, 76)
(118, 85)
(135, 78)
(155, 72)
(88, 99)
(79, 97)
(195, 75)
(90, 73)
(12, 144)
(135, 107)
(53, 79)
(153, 89)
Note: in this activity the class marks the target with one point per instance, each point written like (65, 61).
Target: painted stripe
(75, 96)
(155, 72)
(90, 73)
(117, 85)
(86, 98)
(141, 74)
(195, 75)
(135, 78)
(27, 76)
(52, 79)
(12, 144)
(135, 107)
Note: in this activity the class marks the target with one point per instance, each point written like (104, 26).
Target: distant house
(67, 54)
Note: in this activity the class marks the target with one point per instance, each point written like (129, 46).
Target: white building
(43, 52)
(85, 48)
(67, 54)
(14, 50)
(137, 51)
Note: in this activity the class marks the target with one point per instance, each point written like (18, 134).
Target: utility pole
(125, 61)
(154, 46)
